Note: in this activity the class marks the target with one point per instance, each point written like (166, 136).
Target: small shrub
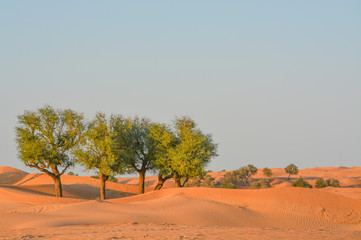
(208, 182)
(333, 182)
(320, 183)
(261, 184)
(71, 173)
(226, 184)
(301, 183)
(194, 182)
(267, 172)
(95, 176)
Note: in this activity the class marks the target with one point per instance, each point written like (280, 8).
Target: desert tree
(163, 140)
(192, 152)
(133, 145)
(97, 151)
(46, 139)
(245, 173)
(181, 151)
(291, 169)
(267, 172)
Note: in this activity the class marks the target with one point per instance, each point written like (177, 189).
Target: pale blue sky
(275, 82)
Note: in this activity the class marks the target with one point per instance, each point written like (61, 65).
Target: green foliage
(110, 179)
(320, 183)
(192, 150)
(333, 182)
(267, 172)
(46, 138)
(301, 183)
(291, 170)
(97, 149)
(133, 143)
(182, 151)
(227, 184)
(261, 184)
(71, 173)
(208, 182)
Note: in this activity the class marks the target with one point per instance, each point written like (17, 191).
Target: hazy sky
(275, 82)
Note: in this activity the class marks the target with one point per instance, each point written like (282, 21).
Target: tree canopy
(291, 169)
(46, 139)
(182, 152)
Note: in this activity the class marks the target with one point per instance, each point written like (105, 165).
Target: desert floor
(28, 209)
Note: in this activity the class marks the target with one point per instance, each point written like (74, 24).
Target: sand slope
(28, 209)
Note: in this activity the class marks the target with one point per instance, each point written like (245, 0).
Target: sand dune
(28, 209)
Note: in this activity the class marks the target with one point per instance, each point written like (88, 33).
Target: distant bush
(320, 183)
(301, 183)
(333, 182)
(193, 182)
(208, 182)
(267, 172)
(71, 173)
(291, 170)
(261, 184)
(226, 184)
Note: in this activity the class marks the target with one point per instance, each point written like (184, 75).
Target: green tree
(291, 169)
(181, 152)
(97, 151)
(46, 138)
(192, 151)
(267, 172)
(134, 146)
(164, 140)
(245, 173)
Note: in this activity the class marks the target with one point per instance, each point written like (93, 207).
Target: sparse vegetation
(320, 183)
(333, 182)
(301, 183)
(227, 184)
(291, 170)
(267, 172)
(263, 183)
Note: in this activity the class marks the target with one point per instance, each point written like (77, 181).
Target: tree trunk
(161, 181)
(289, 175)
(141, 181)
(177, 181)
(58, 187)
(159, 184)
(103, 178)
(185, 181)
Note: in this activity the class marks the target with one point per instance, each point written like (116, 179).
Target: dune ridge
(28, 206)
